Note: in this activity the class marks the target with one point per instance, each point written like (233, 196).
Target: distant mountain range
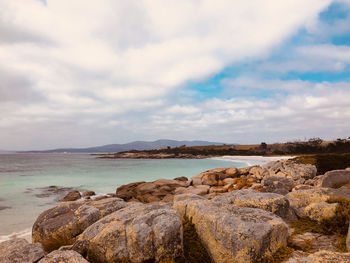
(5, 152)
(137, 145)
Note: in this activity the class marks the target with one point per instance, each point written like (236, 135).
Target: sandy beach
(252, 160)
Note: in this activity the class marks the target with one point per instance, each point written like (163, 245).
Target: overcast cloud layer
(83, 73)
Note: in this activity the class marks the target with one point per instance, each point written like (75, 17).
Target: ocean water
(24, 177)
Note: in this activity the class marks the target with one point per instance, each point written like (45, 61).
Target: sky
(86, 72)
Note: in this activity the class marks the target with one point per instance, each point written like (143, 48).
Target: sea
(32, 183)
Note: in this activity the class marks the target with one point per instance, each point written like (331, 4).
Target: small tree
(263, 145)
(315, 141)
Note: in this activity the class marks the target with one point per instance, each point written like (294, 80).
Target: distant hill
(137, 145)
(5, 152)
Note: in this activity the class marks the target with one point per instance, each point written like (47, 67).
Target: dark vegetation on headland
(312, 146)
(326, 162)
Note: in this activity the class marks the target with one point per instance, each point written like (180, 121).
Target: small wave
(231, 160)
(23, 233)
(97, 195)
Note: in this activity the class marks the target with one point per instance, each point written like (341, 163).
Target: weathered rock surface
(20, 250)
(127, 191)
(139, 232)
(88, 193)
(233, 234)
(335, 179)
(289, 169)
(298, 256)
(285, 175)
(278, 185)
(342, 192)
(312, 242)
(276, 177)
(319, 257)
(71, 196)
(275, 203)
(147, 192)
(66, 256)
(312, 203)
(302, 187)
(181, 178)
(60, 225)
(197, 189)
(235, 222)
(329, 257)
(216, 177)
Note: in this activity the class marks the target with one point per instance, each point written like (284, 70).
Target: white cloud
(106, 60)
(312, 58)
(316, 109)
(328, 52)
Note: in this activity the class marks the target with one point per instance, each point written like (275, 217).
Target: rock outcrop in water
(279, 212)
(276, 177)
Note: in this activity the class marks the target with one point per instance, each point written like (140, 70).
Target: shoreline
(252, 158)
(274, 195)
(38, 192)
(249, 160)
(26, 234)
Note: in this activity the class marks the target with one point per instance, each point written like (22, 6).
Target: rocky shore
(279, 212)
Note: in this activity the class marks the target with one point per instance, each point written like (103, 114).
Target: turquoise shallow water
(22, 174)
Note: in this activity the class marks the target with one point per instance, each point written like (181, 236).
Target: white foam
(97, 195)
(21, 234)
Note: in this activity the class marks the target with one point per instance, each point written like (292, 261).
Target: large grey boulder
(275, 203)
(61, 225)
(312, 203)
(230, 233)
(298, 172)
(278, 185)
(66, 256)
(138, 232)
(335, 179)
(20, 250)
(147, 192)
